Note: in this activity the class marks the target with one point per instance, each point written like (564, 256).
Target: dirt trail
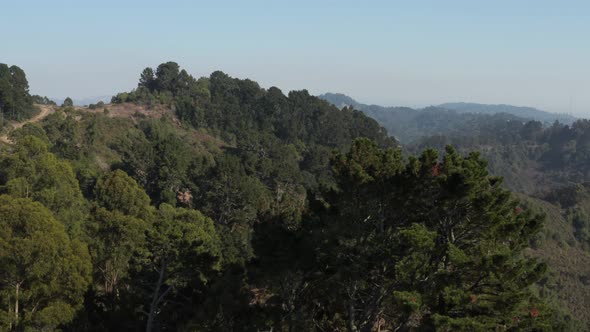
(45, 111)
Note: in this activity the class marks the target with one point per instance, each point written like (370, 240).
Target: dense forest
(534, 157)
(546, 164)
(212, 204)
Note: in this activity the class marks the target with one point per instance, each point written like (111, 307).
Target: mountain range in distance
(521, 111)
(530, 113)
(409, 125)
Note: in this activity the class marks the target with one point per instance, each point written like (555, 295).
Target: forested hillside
(212, 204)
(547, 163)
(533, 158)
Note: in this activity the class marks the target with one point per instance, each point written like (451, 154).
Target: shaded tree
(184, 253)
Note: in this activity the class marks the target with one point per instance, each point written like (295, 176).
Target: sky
(406, 53)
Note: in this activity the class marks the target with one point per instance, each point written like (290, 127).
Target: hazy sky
(414, 53)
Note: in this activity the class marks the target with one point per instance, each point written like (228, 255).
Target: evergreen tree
(67, 102)
(427, 245)
(15, 101)
(147, 79)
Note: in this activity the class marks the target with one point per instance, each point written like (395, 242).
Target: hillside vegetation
(545, 162)
(211, 204)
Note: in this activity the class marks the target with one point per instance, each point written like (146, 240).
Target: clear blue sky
(413, 53)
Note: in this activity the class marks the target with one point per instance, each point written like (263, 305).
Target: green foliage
(236, 208)
(44, 274)
(117, 244)
(119, 237)
(30, 129)
(233, 107)
(15, 101)
(67, 102)
(31, 171)
(65, 134)
(166, 86)
(426, 245)
(117, 191)
(521, 151)
(42, 100)
(184, 252)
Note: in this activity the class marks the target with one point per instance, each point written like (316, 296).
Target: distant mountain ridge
(340, 100)
(409, 125)
(522, 111)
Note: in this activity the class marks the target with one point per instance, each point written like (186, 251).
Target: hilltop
(530, 113)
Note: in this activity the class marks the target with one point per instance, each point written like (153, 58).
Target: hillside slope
(239, 206)
(568, 258)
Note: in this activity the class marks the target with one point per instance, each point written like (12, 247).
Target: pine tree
(429, 245)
